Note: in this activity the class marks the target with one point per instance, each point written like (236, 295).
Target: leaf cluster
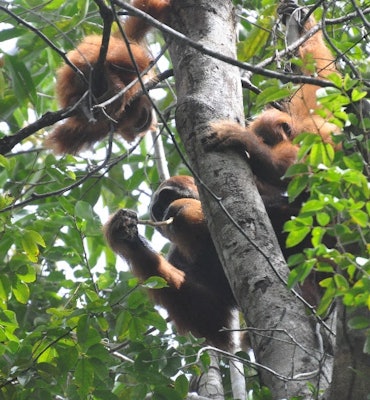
(334, 218)
(73, 322)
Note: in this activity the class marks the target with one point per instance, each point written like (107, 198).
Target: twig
(284, 77)
(49, 118)
(8, 142)
(160, 156)
(98, 70)
(155, 223)
(105, 164)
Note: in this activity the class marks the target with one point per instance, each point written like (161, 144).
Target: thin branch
(98, 70)
(361, 14)
(155, 223)
(8, 142)
(123, 357)
(49, 118)
(284, 77)
(233, 356)
(105, 164)
(12, 380)
(160, 156)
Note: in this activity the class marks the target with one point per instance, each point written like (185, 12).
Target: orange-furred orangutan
(198, 297)
(127, 115)
(268, 139)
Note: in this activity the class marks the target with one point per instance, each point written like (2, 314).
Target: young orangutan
(128, 115)
(198, 297)
(268, 139)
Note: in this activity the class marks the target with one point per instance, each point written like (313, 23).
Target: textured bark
(284, 336)
(209, 385)
(351, 371)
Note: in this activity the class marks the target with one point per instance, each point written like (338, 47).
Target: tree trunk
(209, 385)
(282, 335)
(351, 371)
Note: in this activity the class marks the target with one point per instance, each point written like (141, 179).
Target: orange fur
(136, 28)
(128, 118)
(198, 297)
(303, 103)
(268, 139)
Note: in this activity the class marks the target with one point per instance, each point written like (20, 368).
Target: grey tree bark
(209, 385)
(282, 334)
(351, 371)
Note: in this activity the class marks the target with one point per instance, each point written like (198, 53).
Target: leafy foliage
(73, 322)
(336, 213)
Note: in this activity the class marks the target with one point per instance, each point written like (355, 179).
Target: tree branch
(255, 267)
(183, 39)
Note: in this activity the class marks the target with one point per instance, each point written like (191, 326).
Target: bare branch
(50, 118)
(105, 164)
(284, 77)
(8, 142)
(98, 71)
(156, 223)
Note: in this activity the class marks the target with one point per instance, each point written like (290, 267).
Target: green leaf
(271, 94)
(84, 377)
(359, 322)
(295, 237)
(326, 300)
(53, 5)
(340, 282)
(8, 320)
(105, 280)
(83, 328)
(23, 84)
(103, 323)
(83, 210)
(367, 345)
(356, 95)
(47, 355)
(154, 319)
(5, 200)
(166, 393)
(354, 161)
(155, 282)
(336, 79)
(27, 274)
(86, 334)
(296, 169)
(317, 235)
(256, 37)
(122, 324)
(323, 218)
(21, 292)
(321, 153)
(359, 217)
(137, 328)
(5, 288)
(4, 162)
(182, 385)
(136, 299)
(30, 242)
(312, 206)
(300, 273)
(297, 186)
